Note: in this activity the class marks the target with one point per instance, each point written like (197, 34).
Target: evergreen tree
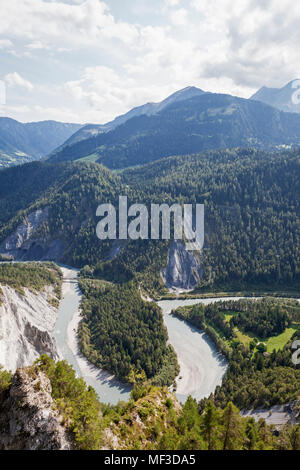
(209, 426)
(232, 428)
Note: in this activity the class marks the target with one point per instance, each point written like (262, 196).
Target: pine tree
(232, 428)
(295, 437)
(251, 434)
(209, 426)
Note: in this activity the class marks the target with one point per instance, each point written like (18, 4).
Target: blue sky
(90, 60)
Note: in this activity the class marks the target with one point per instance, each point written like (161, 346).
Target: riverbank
(181, 295)
(202, 367)
(278, 415)
(107, 387)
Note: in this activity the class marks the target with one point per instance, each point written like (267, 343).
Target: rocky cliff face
(26, 323)
(28, 419)
(183, 271)
(25, 245)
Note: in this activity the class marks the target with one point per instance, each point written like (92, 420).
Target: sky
(88, 61)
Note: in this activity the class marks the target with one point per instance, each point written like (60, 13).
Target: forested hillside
(251, 198)
(24, 142)
(148, 109)
(260, 372)
(122, 333)
(208, 121)
(34, 276)
(71, 193)
(252, 224)
(151, 420)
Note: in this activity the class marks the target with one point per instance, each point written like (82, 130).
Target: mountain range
(20, 143)
(48, 211)
(189, 122)
(148, 109)
(286, 98)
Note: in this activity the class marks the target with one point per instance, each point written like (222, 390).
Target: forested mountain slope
(20, 143)
(256, 336)
(252, 225)
(147, 109)
(51, 416)
(252, 215)
(67, 194)
(208, 121)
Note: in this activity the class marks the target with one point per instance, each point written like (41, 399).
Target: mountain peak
(184, 94)
(286, 98)
(148, 109)
(293, 83)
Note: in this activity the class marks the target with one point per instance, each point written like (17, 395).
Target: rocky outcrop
(146, 414)
(26, 324)
(28, 419)
(42, 341)
(183, 271)
(25, 245)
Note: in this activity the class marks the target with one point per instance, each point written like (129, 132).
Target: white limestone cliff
(26, 324)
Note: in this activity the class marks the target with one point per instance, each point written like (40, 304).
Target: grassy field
(243, 337)
(278, 342)
(273, 343)
(228, 317)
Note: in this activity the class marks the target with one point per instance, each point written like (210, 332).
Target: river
(202, 367)
(107, 387)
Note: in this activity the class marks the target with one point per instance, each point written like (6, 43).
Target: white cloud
(172, 3)
(5, 44)
(262, 40)
(106, 93)
(91, 65)
(75, 24)
(43, 113)
(15, 80)
(179, 17)
(37, 45)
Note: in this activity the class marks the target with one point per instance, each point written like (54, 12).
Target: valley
(202, 355)
(63, 339)
(202, 369)
(144, 328)
(149, 230)
(196, 355)
(21, 143)
(107, 387)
